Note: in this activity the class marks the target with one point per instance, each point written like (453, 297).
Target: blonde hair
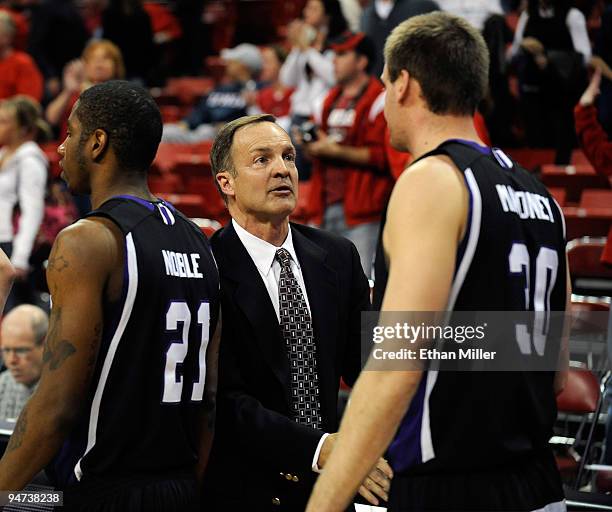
(113, 52)
(28, 114)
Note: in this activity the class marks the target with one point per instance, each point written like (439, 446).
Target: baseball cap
(247, 54)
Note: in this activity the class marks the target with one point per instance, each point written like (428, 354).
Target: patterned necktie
(297, 331)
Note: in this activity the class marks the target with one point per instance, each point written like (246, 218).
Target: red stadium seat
(581, 392)
(205, 188)
(207, 226)
(598, 198)
(582, 396)
(589, 275)
(190, 205)
(574, 178)
(531, 159)
(165, 184)
(587, 221)
(579, 158)
(559, 194)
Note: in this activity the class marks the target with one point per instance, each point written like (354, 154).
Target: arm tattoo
(57, 350)
(57, 263)
(19, 432)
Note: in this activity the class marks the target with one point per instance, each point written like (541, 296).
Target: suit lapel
(251, 296)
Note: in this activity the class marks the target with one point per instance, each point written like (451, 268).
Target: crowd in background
(317, 73)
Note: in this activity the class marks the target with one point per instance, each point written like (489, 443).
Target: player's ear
(226, 182)
(99, 143)
(402, 85)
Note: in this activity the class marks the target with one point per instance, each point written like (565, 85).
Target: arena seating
(581, 396)
(589, 275)
(573, 178)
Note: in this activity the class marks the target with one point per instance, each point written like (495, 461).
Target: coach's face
(264, 184)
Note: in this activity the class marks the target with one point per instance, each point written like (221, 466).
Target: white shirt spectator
(308, 92)
(576, 24)
(13, 395)
(23, 178)
(475, 11)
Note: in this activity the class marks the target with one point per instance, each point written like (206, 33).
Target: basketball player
(7, 274)
(124, 410)
(470, 440)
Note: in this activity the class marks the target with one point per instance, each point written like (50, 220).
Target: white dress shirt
(263, 255)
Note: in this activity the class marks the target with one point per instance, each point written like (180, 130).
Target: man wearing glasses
(22, 335)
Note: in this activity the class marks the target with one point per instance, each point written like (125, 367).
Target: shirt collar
(261, 252)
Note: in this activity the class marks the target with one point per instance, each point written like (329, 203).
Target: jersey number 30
(546, 265)
(179, 312)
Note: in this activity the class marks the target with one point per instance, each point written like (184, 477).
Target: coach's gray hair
(221, 152)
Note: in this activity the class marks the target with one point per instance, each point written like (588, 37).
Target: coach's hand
(376, 484)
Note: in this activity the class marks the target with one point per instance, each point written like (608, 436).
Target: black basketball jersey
(512, 258)
(148, 384)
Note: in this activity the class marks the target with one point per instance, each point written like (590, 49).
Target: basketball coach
(292, 297)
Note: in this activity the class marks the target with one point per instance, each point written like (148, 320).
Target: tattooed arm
(209, 409)
(7, 274)
(84, 258)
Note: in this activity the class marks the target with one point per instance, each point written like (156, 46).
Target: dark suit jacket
(261, 458)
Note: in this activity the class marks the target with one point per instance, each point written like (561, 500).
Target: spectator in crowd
(603, 60)
(350, 181)
(274, 97)
(22, 25)
(382, 16)
(592, 137)
(224, 103)
(352, 11)
(309, 67)
(597, 147)
(475, 11)
(22, 337)
(23, 176)
(60, 212)
(18, 72)
(57, 36)
(127, 24)
(101, 61)
(551, 49)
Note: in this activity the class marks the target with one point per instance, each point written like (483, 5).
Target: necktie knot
(284, 258)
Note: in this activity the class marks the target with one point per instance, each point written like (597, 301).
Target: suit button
(295, 479)
(275, 501)
(289, 476)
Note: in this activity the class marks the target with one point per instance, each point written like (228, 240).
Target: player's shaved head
(129, 116)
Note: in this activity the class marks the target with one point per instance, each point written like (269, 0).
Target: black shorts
(529, 485)
(133, 494)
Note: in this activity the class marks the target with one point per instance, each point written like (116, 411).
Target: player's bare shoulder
(89, 248)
